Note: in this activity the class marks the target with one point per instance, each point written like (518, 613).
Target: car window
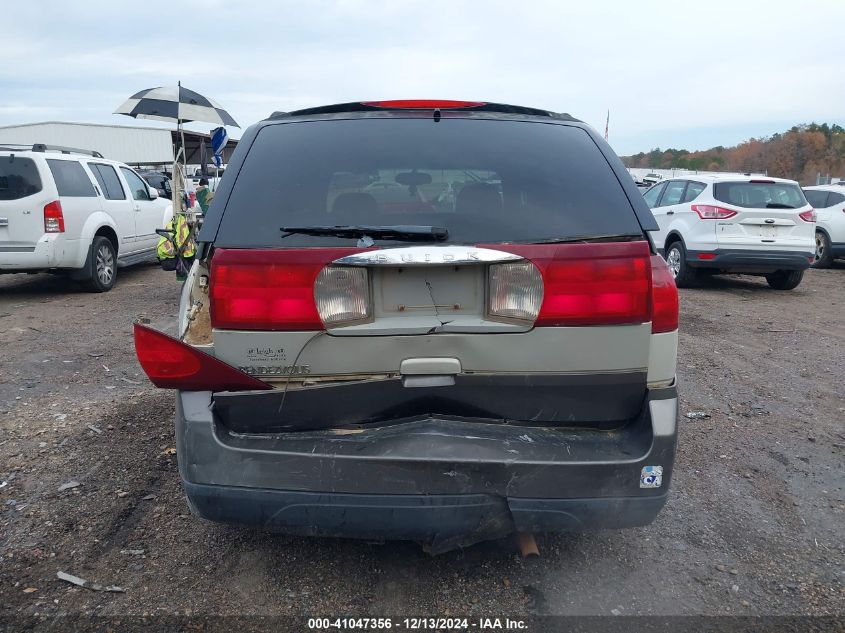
(109, 182)
(136, 185)
(483, 180)
(18, 178)
(693, 190)
(816, 197)
(760, 194)
(71, 179)
(674, 192)
(835, 198)
(653, 194)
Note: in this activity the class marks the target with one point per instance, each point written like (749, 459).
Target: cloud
(660, 68)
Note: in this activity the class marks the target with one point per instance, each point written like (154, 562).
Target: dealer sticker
(651, 477)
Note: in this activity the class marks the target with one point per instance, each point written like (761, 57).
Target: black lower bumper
(442, 521)
(838, 249)
(750, 261)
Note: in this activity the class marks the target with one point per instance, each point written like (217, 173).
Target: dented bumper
(446, 480)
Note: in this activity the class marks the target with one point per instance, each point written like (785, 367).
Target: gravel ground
(754, 524)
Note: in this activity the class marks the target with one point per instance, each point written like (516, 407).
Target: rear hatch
(382, 269)
(21, 208)
(766, 214)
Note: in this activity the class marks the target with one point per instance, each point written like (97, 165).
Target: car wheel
(824, 257)
(103, 266)
(676, 259)
(785, 279)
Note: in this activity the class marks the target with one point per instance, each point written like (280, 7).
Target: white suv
(829, 203)
(734, 224)
(75, 212)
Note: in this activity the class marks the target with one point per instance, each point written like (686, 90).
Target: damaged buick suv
(432, 320)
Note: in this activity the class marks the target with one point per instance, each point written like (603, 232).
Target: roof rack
(372, 106)
(42, 147)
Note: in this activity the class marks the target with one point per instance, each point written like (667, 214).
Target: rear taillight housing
(711, 212)
(54, 220)
(342, 295)
(808, 216)
(590, 284)
(171, 364)
(275, 289)
(664, 297)
(514, 291)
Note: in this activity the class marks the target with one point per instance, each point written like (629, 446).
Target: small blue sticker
(651, 477)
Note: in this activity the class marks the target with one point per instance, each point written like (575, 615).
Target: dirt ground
(755, 523)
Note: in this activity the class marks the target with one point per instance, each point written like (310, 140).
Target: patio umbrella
(179, 104)
(175, 103)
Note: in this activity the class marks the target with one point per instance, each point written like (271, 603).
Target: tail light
(590, 284)
(710, 212)
(275, 290)
(515, 291)
(664, 297)
(342, 295)
(172, 364)
(54, 220)
(808, 216)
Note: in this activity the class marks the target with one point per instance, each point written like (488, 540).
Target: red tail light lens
(710, 212)
(423, 104)
(54, 220)
(172, 364)
(591, 284)
(268, 289)
(664, 297)
(808, 216)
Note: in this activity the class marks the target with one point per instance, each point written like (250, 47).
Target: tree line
(800, 153)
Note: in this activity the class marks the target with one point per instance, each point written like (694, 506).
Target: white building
(133, 145)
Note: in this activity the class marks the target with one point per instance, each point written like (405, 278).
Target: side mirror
(153, 192)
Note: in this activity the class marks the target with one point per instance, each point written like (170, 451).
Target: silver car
(438, 321)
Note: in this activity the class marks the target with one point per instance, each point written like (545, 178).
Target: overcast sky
(672, 74)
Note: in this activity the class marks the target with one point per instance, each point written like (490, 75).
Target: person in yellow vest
(180, 247)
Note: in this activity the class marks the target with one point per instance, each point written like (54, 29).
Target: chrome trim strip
(427, 256)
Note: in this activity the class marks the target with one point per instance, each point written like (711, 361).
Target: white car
(734, 224)
(829, 203)
(74, 212)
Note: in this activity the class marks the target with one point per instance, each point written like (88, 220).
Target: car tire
(102, 263)
(785, 279)
(824, 257)
(676, 259)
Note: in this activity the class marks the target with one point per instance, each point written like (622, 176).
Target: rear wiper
(779, 205)
(401, 232)
(622, 237)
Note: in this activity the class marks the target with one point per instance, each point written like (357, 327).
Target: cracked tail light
(171, 364)
(342, 295)
(515, 291)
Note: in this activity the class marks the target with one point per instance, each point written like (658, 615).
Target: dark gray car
(419, 320)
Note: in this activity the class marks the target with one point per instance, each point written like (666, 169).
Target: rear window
(816, 198)
(18, 178)
(760, 195)
(109, 182)
(484, 180)
(71, 179)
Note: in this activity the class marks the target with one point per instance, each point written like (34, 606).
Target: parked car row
(75, 213)
(829, 203)
(712, 224)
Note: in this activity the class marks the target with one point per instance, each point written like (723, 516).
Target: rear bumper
(449, 481)
(751, 261)
(51, 251)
